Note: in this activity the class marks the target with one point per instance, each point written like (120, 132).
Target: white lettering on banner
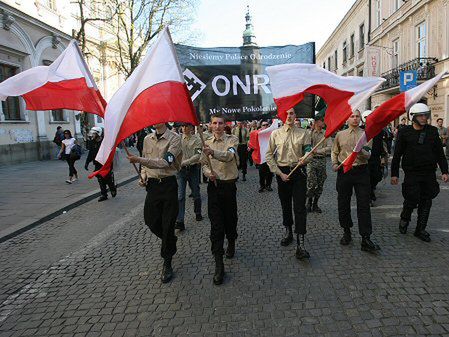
(227, 85)
(245, 109)
(245, 87)
(237, 56)
(263, 84)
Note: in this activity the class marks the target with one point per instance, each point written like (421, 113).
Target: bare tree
(139, 21)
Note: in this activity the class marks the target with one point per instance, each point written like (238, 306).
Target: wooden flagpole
(200, 132)
(135, 167)
(304, 158)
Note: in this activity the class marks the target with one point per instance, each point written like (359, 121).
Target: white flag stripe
(413, 95)
(264, 137)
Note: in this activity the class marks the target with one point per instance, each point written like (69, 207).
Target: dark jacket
(93, 147)
(421, 151)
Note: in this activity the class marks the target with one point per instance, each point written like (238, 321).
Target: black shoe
(261, 189)
(230, 251)
(315, 207)
(191, 195)
(219, 270)
(309, 205)
(167, 271)
(102, 198)
(288, 238)
(422, 235)
(114, 192)
(301, 252)
(199, 217)
(244, 177)
(180, 225)
(269, 189)
(403, 224)
(368, 245)
(346, 238)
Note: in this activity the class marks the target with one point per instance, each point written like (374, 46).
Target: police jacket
(93, 146)
(421, 151)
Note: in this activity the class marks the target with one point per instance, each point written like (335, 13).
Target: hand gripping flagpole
(200, 132)
(307, 155)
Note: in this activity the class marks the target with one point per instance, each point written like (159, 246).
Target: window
(421, 39)
(58, 115)
(51, 4)
(351, 46)
(329, 63)
(395, 58)
(362, 36)
(324, 65)
(397, 4)
(10, 107)
(378, 12)
(345, 52)
(336, 59)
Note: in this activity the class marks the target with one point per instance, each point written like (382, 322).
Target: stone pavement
(110, 285)
(30, 191)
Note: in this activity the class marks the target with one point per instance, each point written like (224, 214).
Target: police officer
(420, 148)
(316, 168)
(95, 135)
(285, 148)
(357, 179)
(221, 192)
(161, 162)
(189, 173)
(242, 134)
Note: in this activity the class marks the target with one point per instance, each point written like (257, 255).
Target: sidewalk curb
(26, 225)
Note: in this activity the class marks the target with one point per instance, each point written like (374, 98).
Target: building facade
(399, 35)
(33, 33)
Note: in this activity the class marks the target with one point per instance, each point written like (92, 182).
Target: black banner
(233, 81)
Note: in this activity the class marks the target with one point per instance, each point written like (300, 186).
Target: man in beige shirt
(316, 168)
(221, 192)
(161, 162)
(286, 147)
(189, 173)
(357, 179)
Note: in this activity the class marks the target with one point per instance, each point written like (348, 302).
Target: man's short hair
(439, 119)
(403, 119)
(218, 115)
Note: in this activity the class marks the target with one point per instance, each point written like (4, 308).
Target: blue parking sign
(408, 79)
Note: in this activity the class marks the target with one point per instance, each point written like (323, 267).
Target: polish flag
(388, 112)
(65, 84)
(258, 141)
(343, 95)
(154, 93)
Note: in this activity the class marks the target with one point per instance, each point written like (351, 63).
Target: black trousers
(242, 151)
(294, 191)
(265, 175)
(105, 182)
(71, 163)
(160, 212)
(357, 179)
(222, 211)
(418, 190)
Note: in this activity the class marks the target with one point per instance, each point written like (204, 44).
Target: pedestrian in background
(242, 133)
(442, 131)
(57, 139)
(68, 144)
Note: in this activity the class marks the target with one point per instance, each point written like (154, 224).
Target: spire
(249, 39)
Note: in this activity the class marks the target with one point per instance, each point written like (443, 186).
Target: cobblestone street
(70, 277)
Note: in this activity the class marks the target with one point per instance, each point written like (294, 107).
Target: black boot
(346, 238)
(180, 225)
(403, 224)
(102, 198)
(244, 177)
(301, 252)
(167, 271)
(315, 207)
(423, 217)
(288, 238)
(230, 251)
(309, 205)
(368, 245)
(219, 270)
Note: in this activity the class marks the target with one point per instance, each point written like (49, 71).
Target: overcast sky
(276, 22)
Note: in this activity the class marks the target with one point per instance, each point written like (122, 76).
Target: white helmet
(366, 114)
(97, 130)
(418, 109)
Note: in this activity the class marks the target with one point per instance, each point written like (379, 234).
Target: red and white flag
(342, 94)
(258, 141)
(65, 84)
(154, 93)
(388, 112)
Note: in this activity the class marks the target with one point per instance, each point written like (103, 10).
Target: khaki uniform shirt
(191, 149)
(224, 161)
(325, 148)
(161, 157)
(286, 147)
(345, 142)
(245, 135)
